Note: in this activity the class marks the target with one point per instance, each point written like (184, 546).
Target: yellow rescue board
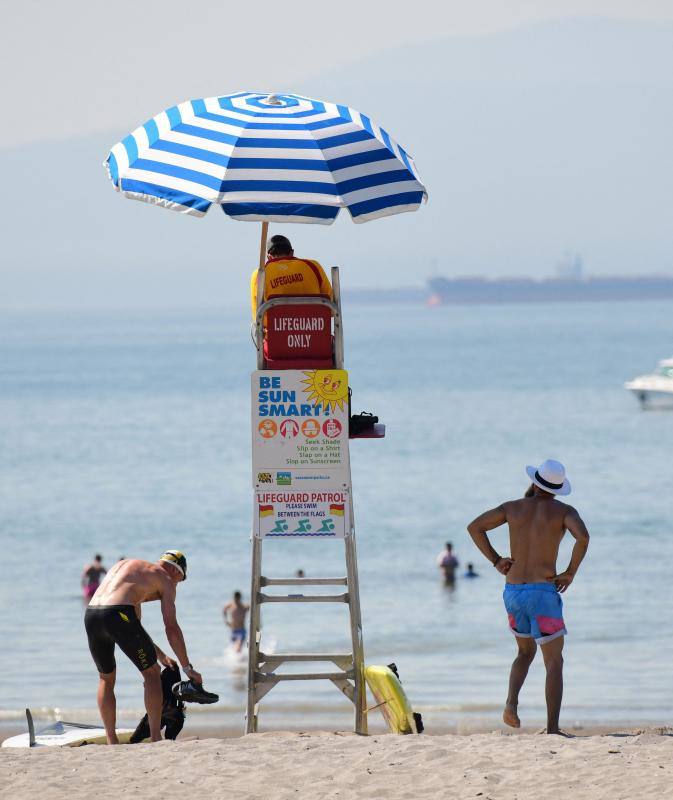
(390, 699)
(123, 736)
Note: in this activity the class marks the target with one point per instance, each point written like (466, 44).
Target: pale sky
(538, 127)
(75, 67)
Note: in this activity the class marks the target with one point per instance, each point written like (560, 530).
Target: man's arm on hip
(478, 529)
(578, 530)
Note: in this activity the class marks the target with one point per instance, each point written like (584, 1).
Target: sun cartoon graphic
(328, 387)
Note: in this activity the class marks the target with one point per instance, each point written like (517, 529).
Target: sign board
(299, 513)
(300, 460)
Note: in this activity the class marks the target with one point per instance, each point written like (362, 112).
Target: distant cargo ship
(559, 289)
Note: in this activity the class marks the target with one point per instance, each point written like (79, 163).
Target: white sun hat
(550, 476)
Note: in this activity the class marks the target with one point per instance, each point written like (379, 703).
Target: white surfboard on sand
(63, 734)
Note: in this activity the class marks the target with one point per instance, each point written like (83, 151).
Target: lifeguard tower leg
(360, 697)
(255, 635)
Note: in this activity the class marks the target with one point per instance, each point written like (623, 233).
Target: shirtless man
(234, 616)
(448, 563)
(537, 524)
(113, 617)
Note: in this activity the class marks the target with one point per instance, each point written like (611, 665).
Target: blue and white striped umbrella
(271, 158)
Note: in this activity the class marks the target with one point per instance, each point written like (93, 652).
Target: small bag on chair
(358, 423)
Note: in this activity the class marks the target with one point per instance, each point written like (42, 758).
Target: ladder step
(303, 598)
(305, 657)
(303, 581)
(263, 677)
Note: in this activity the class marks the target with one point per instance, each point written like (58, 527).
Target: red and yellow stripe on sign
(265, 511)
(336, 509)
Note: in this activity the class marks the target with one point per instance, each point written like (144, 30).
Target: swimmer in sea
(113, 618)
(537, 523)
(92, 575)
(448, 563)
(234, 613)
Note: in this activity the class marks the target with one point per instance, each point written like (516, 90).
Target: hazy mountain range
(553, 137)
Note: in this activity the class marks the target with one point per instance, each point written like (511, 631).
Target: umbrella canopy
(270, 158)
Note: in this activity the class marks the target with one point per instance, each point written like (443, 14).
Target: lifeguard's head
(279, 246)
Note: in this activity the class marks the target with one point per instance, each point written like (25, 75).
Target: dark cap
(279, 246)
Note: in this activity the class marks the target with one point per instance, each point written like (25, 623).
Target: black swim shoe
(191, 692)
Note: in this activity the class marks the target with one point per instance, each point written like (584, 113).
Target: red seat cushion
(300, 334)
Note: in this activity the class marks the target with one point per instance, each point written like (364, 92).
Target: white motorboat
(656, 389)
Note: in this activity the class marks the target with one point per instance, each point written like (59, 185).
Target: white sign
(300, 429)
(297, 513)
(300, 462)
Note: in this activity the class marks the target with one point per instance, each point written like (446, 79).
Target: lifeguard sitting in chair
(295, 336)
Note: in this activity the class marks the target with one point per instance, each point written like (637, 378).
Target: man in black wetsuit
(113, 617)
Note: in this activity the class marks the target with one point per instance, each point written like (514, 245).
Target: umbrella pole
(260, 271)
(262, 245)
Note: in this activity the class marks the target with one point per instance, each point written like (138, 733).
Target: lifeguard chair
(299, 332)
(279, 325)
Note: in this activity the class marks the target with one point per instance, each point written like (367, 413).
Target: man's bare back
(536, 528)
(131, 582)
(236, 614)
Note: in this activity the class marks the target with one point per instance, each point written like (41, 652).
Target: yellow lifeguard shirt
(290, 276)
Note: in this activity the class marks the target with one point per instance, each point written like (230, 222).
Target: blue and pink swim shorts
(535, 610)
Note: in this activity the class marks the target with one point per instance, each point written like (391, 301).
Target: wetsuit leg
(121, 625)
(101, 644)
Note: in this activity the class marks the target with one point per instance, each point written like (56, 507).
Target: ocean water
(128, 433)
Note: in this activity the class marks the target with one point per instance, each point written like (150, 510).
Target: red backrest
(298, 333)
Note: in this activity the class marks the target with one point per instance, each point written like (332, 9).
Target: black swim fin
(192, 692)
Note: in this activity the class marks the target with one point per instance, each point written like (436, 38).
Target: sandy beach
(274, 766)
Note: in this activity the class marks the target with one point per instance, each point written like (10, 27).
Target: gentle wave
(219, 709)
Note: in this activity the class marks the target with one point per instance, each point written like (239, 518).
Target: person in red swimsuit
(92, 575)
